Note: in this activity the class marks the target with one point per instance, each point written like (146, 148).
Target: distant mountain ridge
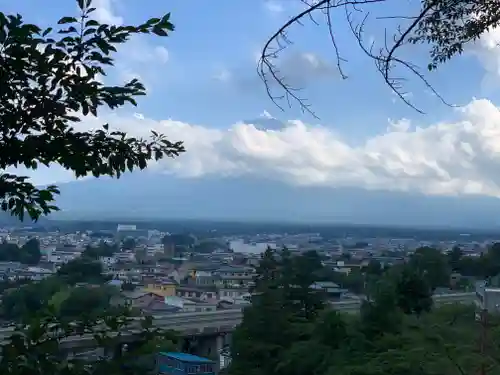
(149, 195)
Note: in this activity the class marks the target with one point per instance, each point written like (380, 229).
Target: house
(234, 281)
(332, 290)
(33, 273)
(125, 272)
(230, 294)
(202, 275)
(201, 293)
(136, 299)
(107, 261)
(160, 307)
(192, 304)
(232, 271)
(60, 257)
(162, 287)
(124, 256)
(7, 268)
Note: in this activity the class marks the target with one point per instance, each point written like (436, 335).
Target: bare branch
(385, 59)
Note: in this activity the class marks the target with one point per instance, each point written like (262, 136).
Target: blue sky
(202, 84)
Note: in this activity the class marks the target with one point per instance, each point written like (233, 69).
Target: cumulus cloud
(447, 158)
(132, 60)
(298, 69)
(105, 12)
(487, 51)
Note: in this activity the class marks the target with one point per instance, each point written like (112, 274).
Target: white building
(108, 261)
(124, 256)
(60, 257)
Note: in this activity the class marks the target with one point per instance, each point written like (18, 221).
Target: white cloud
(446, 158)
(162, 54)
(302, 67)
(105, 12)
(132, 59)
(298, 69)
(274, 6)
(487, 51)
(139, 52)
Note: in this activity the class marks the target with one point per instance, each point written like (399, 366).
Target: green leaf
(159, 31)
(47, 31)
(91, 23)
(66, 20)
(56, 89)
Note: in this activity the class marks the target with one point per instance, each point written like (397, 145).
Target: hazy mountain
(148, 195)
(266, 122)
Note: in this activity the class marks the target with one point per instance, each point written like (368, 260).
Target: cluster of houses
(190, 287)
(205, 283)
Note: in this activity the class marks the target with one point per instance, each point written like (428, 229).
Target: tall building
(487, 297)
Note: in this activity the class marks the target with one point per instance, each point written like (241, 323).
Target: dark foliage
(48, 80)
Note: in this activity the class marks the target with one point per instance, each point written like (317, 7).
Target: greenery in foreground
(76, 303)
(41, 347)
(49, 79)
(289, 328)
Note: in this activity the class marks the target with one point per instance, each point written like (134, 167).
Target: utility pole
(484, 331)
(482, 349)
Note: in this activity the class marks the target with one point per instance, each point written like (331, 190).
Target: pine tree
(265, 330)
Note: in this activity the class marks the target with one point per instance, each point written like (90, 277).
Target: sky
(203, 89)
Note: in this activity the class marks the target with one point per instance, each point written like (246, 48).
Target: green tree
(374, 267)
(433, 265)
(85, 302)
(81, 270)
(48, 77)
(265, 330)
(128, 286)
(41, 343)
(284, 307)
(455, 257)
(267, 272)
(103, 249)
(299, 274)
(380, 313)
(29, 300)
(207, 246)
(490, 262)
(129, 243)
(29, 253)
(413, 293)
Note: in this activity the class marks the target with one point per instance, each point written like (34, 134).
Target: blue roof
(185, 357)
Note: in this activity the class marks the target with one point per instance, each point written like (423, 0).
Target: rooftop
(185, 357)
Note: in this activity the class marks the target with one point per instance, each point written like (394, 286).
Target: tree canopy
(29, 253)
(398, 330)
(81, 270)
(50, 79)
(60, 293)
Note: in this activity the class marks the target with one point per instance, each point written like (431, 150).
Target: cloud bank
(447, 158)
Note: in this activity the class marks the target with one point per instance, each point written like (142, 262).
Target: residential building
(164, 288)
(202, 294)
(60, 257)
(191, 304)
(231, 294)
